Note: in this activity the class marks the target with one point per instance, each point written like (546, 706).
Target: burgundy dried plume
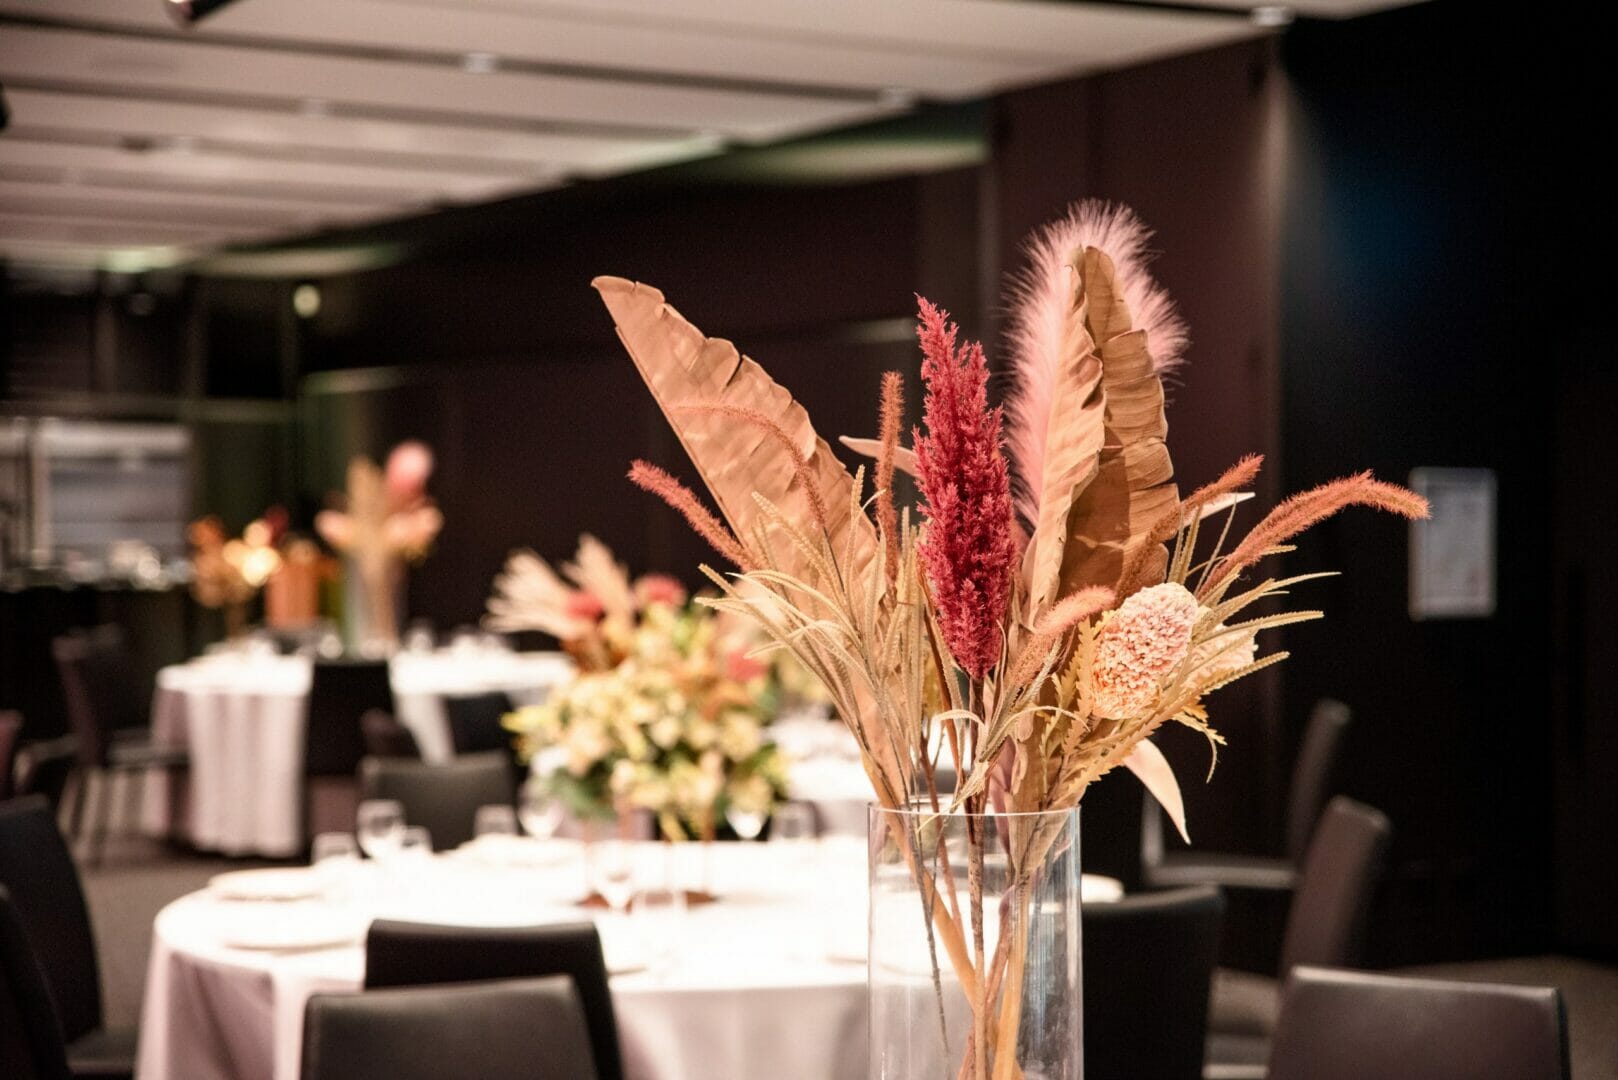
(969, 550)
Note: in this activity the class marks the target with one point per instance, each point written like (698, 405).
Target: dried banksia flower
(1144, 640)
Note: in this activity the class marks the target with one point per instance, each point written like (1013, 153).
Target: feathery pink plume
(1042, 297)
(969, 550)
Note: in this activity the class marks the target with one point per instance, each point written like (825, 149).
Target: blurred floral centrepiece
(668, 713)
(1029, 610)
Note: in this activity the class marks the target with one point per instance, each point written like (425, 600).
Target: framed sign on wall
(1452, 560)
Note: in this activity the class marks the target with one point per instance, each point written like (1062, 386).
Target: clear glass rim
(921, 807)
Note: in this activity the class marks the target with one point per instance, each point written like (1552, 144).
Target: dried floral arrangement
(388, 521)
(592, 607)
(228, 572)
(1031, 605)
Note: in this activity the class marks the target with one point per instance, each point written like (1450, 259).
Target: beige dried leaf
(684, 368)
(1134, 483)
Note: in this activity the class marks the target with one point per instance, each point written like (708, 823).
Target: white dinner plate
(289, 927)
(270, 883)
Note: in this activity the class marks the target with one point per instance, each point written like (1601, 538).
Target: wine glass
(415, 843)
(540, 811)
(747, 823)
(496, 819)
(334, 855)
(380, 826)
(660, 914)
(615, 874)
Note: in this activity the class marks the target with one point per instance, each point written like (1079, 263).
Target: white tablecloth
(768, 982)
(243, 718)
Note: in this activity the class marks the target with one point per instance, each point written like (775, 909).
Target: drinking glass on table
(415, 842)
(540, 811)
(747, 823)
(380, 826)
(660, 916)
(614, 874)
(334, 856)
(496, 819)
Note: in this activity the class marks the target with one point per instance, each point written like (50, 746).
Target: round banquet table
(768, 981)
(242, 719)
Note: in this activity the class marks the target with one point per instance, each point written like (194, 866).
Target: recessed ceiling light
(480, 63)
(1272, 16)
(306, 301)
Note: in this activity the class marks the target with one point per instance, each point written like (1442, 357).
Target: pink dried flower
(659, 589)
(584, 605)
(1146, 639)
(969, 549)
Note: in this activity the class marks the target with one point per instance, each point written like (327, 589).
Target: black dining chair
(38, 871)
(386, 737)
(45, 767)
(1353, 1025)
(107, 715)
(475, 722)
(10, 743)
(1149, 954)
(415, 954)
(515, 1029)
(340, 692)
(444, 798)
(31, 1045)
(1314, 775)
(1325, 928)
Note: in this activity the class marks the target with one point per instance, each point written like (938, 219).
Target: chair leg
(79, 780)
(98, 835)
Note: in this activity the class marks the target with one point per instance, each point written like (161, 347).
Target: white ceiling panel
(296, 114)
(33, 54)
(386, 182)
(171, 203)
(502, 149)
(579, 37)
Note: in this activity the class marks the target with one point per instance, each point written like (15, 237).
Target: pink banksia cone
(1140, 645)
(969, 548)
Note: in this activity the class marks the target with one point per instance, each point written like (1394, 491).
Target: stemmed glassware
(615, 874)
(380, 827)
(335, 856)
(747, 823)
(541, 813)
(496, 819)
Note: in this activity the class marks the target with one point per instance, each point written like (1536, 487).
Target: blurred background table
(242, 718)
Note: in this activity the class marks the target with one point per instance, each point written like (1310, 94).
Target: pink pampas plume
(1042, 297)
(968, 550)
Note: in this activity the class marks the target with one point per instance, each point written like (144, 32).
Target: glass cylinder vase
(974, 946)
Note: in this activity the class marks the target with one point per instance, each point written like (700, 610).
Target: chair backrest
(1314, 774)
(1149, 954)
(38, 870)
(1352, 1025)
(44, 768)
(386, 737)
(444, 798)
(98, 689)
(339, 694)
(31, 1046)
(1326, 922)
(10, 739)
(519, 1029)
(412, 954)
(474, 722)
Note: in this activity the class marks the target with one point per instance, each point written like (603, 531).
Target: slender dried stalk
(657, 481)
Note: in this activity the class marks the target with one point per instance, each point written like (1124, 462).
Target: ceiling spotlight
(480, 63)
(186, 12)
(1272, 16)
(306, 300)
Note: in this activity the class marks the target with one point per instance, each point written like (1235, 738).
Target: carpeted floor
(137, 878)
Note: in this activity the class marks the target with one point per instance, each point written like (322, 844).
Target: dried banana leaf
(683, 368)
